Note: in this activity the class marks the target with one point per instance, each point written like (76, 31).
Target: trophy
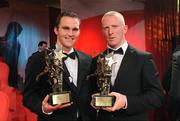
(104, 72)
(54, 70)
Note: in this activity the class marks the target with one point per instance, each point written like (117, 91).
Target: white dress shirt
(118, 59)
(72, 66)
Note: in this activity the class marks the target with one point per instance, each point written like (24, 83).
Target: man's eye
(105, 28)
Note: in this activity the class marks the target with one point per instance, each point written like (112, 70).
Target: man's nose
(70, 33)
(110, 31)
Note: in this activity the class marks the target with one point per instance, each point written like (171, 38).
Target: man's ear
(55, 30)
(125, 28)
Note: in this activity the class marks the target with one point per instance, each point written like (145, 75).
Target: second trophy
(104, 72)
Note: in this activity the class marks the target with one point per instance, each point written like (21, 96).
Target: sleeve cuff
(46, 113)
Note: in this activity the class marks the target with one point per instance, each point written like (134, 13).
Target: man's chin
(69, 46)
(111, 44)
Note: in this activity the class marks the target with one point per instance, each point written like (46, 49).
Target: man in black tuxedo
(42, 45)
(134, 81)
(174, 90)
(35, 96)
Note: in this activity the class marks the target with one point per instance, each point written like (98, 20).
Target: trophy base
(60, 98)
(103, 101)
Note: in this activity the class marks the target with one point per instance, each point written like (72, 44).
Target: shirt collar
(124, 46)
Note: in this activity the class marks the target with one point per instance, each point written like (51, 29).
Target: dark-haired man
(36, 92)
(42, 45)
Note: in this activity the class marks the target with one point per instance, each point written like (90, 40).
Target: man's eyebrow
(65, 27)
(75, 28)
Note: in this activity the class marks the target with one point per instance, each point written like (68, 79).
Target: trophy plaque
(104, 72)
(54, 70)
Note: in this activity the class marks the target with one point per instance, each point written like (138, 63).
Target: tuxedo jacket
(166, 81)
(137, 78)
(174, 92)
(36, 90)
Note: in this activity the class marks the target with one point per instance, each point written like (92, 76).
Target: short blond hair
(114, 13)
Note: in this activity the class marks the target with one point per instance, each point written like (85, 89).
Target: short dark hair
(41, 43)
(68, 14)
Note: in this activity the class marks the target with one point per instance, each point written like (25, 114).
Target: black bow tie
(71, 55)
(118, 51)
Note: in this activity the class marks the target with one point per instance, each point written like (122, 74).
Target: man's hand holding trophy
(106, 100)
(104, 72)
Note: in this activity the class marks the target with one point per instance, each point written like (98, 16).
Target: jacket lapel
(81, 70)
(126, 63)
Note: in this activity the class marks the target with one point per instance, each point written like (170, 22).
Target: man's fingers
(95, 94)
(64, 105)
(109, 109)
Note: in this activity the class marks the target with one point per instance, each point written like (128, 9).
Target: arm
(174, 92)
(31, 97)
(151, 96)
(175, 83)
